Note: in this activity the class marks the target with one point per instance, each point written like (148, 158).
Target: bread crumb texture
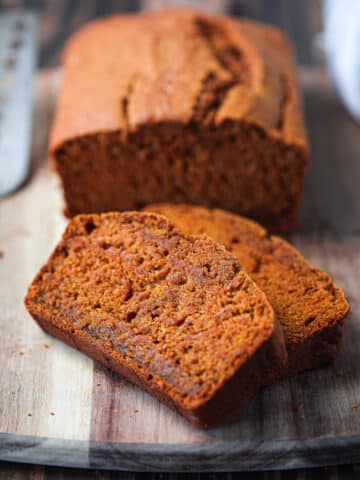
(176, 310)
(305, 299)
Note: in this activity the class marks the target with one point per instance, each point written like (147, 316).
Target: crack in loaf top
(177, 66)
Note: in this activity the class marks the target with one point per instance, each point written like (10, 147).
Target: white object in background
(342, 48)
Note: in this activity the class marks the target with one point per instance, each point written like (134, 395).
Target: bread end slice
(308, 304)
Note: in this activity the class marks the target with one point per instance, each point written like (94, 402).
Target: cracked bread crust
(173, 314)
(204, 106)
(164, 71)
(309, 306)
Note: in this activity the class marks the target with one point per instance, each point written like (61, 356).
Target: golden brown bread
(309, 306)
(179, 106)
(165, 67)
(173, 314)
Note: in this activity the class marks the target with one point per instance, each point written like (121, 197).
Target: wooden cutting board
(59, 407)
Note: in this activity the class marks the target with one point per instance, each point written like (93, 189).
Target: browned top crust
(304, 298)
(175, 309)
(177, 65)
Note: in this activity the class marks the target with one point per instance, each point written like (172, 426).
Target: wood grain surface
(59, 408)
(301, 19)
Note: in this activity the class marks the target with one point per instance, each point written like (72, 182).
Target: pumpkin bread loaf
(309, 306)
(171, 313)
(182, 107)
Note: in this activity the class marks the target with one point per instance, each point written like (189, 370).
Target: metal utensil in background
(18, 45)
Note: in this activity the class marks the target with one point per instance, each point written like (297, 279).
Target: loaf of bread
(180, 106)
(309, 306)
(171, 313)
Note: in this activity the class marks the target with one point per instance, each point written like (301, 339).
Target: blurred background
(301, 19)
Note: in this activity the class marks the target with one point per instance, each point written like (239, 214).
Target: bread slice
(180, 106)
(171, 313)
(309, 306)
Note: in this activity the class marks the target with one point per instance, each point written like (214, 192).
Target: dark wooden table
(301, 19)
(9, 471)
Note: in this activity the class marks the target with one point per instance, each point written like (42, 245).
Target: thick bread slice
(173, 314)
(309, 306)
